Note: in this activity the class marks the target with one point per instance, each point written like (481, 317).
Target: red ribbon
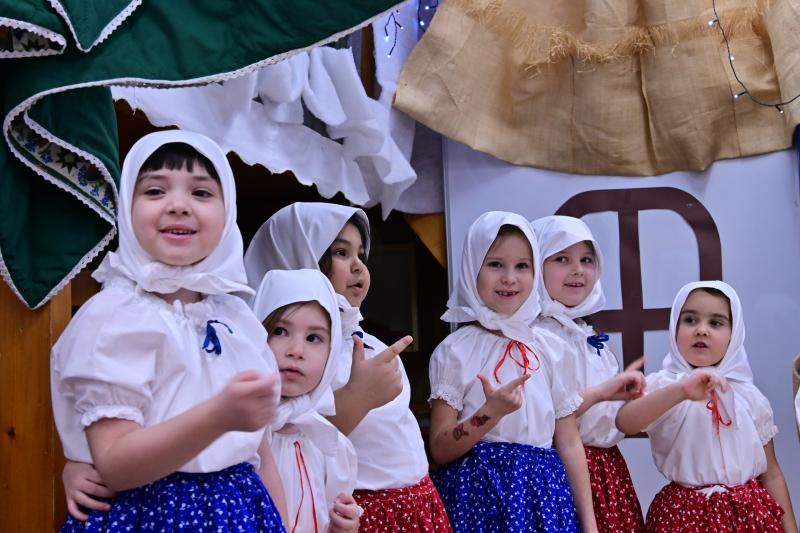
(716, 416)
(524, 364)
(302, 469)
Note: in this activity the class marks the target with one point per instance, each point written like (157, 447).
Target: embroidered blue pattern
(211, 343)
(596, 341)
(230, 500)
(505, 487)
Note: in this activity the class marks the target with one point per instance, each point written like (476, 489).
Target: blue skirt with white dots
(231, 500)
(505, 487)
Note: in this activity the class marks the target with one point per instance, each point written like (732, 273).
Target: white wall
(754, 203)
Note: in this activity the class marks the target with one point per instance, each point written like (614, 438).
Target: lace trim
(569, 406)
(59, 157)
(29, 40)
(107, 30)
(124, 412)
(767, 432)
(453, 398)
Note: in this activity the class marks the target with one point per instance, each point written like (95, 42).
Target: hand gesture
(82, 484)
(377, 379)
(505, 399)
(248, 401)
(700, 385)
(627, 385)
(344, 515)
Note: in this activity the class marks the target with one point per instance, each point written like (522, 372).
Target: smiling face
(570, 275)
(348, 273)
(505, 279)
(178, 215)
(704, 328)
(300, 338)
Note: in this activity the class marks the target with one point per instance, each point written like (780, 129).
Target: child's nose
(178, 203)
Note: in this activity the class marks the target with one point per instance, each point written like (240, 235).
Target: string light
(745, 91)
(393, 26)
(396, 26)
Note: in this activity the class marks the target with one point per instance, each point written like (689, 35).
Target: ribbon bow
(596, 341)
(211, 343)
(303, 469)
(524, 364)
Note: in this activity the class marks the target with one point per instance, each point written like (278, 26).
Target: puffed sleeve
(105, 362)
(761, 411)
(561, 371)
(448, 368)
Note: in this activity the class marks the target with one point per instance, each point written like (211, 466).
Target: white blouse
(316, 463)
(128, 354)
(391, 453)
(687, 449)
(597, 425)
(473, 350)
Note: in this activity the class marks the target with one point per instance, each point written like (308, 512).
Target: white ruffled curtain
(366, 147)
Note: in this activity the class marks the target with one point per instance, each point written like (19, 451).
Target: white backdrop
(754, 203)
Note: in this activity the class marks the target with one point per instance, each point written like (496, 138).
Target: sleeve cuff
(449, 394)
(124, 412)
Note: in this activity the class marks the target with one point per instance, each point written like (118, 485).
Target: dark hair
(287, 310)
(719, 294)
(178, 155)
(510, 229)
(326, 261)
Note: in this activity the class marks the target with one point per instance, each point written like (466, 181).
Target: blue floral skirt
(505, 487)
(230, 500)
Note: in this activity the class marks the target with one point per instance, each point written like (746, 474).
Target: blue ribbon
(596, 341)
(211, 343)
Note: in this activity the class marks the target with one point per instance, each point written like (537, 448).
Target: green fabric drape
(59, 160)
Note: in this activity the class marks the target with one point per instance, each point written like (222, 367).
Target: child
(710, 428)
(163, 379)
(316, 463)
(498, 404)
(372, 393)
(571, 291)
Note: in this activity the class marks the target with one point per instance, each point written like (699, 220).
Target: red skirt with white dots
(417, 508)
(745, 508)
(616, 506)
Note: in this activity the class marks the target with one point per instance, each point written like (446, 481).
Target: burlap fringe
(541, 45)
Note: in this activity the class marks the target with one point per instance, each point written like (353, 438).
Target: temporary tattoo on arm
(459, 432)
(478, 421)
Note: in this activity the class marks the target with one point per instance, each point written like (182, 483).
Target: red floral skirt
(616, 506)
(411, 509)
(745, 508)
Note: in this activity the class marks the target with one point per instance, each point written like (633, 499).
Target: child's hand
(377, 379)
(344, 515)
(628, 385)
(700, 385)
(248, 401)
(506, 399)
(81, 483)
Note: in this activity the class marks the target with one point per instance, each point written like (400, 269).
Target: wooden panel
(29, 454)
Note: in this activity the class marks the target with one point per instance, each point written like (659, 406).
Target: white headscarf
(734, 365)
(556, 233)
(464, 304)
(296, 237)
(219, 273)
(284, 287)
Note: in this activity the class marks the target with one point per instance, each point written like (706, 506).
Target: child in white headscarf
(164, 379)
(372, 391)
(572, 264)
(501, 417)
(710, 428)
(317, 464)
